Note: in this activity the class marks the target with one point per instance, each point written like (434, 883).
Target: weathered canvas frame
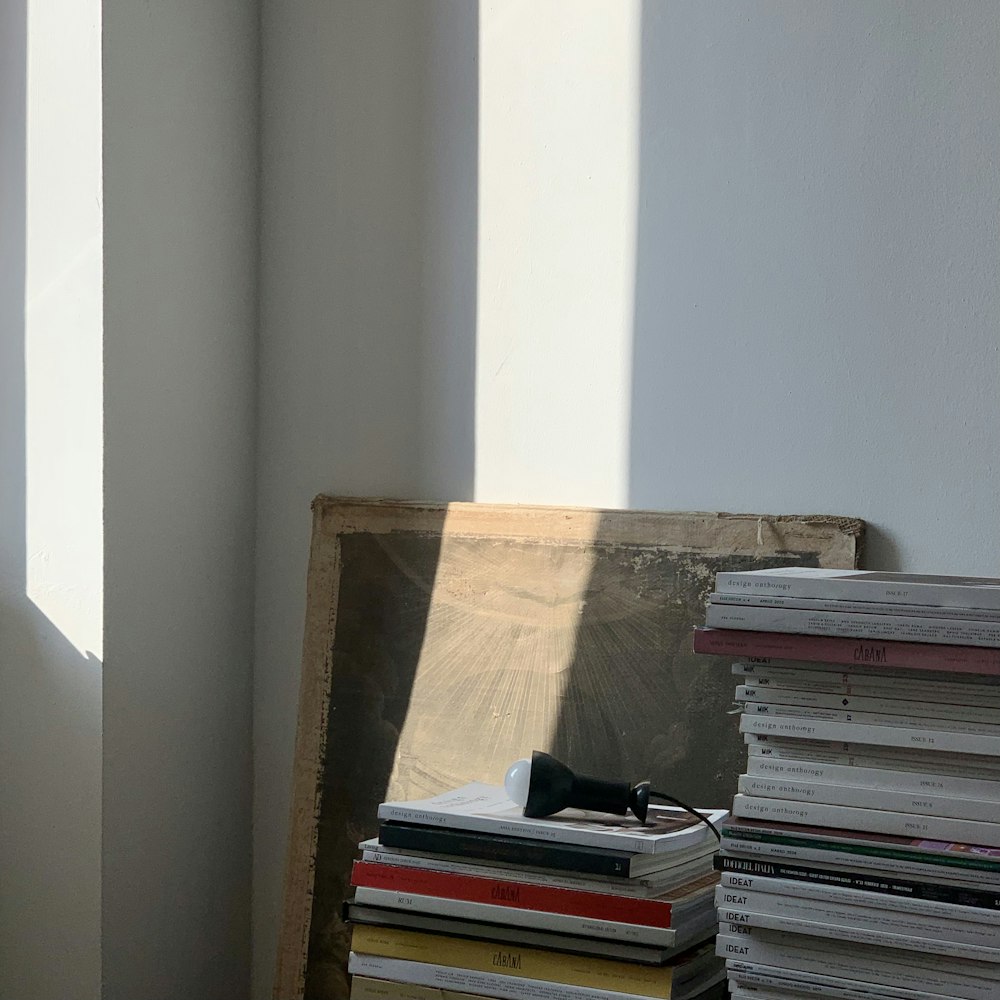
(512, 572)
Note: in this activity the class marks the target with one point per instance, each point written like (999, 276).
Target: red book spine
(516, 895)
(850, 652)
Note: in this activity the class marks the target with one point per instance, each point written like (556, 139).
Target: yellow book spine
(511, 960)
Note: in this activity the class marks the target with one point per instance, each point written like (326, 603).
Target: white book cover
(890, 628)
(857, 932)
(870, 820)
(872, 964)
(644, 887)
(751, 892)
(775, 980)
(874, 758)
(486, 809)
(854, 607)
(920, 803)
(871, 718)
(902, 867)
(843, 701)
(952, 784)
(865, 585)
(855, 732)
(561, 923)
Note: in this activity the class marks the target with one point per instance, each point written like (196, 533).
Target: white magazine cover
(486, 808)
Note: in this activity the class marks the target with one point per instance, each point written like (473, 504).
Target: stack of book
(463, 894)
(863, 857)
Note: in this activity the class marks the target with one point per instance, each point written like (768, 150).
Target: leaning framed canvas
(443, 641)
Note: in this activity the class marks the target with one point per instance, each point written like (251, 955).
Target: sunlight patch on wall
(63, 321)
(558, 181)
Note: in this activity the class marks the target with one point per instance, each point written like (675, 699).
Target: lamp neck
(599, 795)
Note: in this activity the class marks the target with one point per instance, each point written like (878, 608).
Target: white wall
(50, 500)
(817, 296)
(180, 165)
(812, 325)
(127, 876)
(366, 363)
(726, 256)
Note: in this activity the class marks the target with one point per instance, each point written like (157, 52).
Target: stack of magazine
(461, 895)
(863, 857)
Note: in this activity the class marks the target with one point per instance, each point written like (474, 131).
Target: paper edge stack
(391, 960)
(862, 861)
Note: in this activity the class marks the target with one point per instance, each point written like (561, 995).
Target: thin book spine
(863, 889)
(937, 724)
(480, 984)
(906, 687)
(884, 778)
(539, 853)
(645, 887)
(875, 735)
(870, 915)
(771, 983)
(367, 988)
(859, 585)
(919, 803)
(854, 607)
(355, 912)
(866, 755)
(741, 643)
(870, 820)
(863, 671)
(851, 702)
(562, 923)
(881, 864)
(512, 960)
(953, 862)
(856, 931)
(867, 963)
(894, 628)
(513, 894)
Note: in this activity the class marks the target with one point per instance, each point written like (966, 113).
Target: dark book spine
(945, 859)
(509, 850)
(881, 882)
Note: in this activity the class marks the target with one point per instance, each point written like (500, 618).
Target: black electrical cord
(687, 808)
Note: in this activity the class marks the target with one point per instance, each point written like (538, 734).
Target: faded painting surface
(455, 653)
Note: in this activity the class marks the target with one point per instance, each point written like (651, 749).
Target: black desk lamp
(544, 785)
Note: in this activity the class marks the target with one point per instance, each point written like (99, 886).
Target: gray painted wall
(180, 174)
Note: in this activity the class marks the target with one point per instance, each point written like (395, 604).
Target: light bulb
(543, 786)
(517, 781)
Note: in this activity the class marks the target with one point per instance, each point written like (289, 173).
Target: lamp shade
(545, 786)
